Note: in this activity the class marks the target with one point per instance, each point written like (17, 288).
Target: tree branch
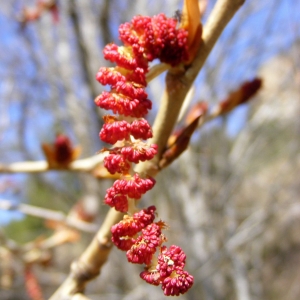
(48, 214)
(80, 165)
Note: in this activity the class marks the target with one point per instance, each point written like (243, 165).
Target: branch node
(83, 272)
(104, 243)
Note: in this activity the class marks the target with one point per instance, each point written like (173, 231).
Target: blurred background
(231, 200)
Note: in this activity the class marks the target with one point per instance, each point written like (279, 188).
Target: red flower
(139, 153)
(156, 37)
(61, 153)
(116, 199)
(116, 131)
(151, 276)
(116, 196)
(177, 283)
(145, 245)
(109, 76)
(131, 225)
(116, 163)
(135, 187)
(145, 217)
(170, 259)
(140, 129)
(123, 243)
(123, 105)
(121, 56)
(63, 149)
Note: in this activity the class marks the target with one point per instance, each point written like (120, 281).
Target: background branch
(80, 165)
(48, 214)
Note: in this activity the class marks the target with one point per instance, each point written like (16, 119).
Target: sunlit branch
(80, 165)
(79, 297)
(156, 70)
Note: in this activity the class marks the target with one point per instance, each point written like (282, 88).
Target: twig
(79, 297)
(156, 71)
(177, 86)
(49, 215)
(80, 165)
(240, 277)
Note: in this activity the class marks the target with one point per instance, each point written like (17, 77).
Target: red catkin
(145, 39)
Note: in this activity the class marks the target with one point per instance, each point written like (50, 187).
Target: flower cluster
(145, 39)
(142, 238)
(61, 153)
